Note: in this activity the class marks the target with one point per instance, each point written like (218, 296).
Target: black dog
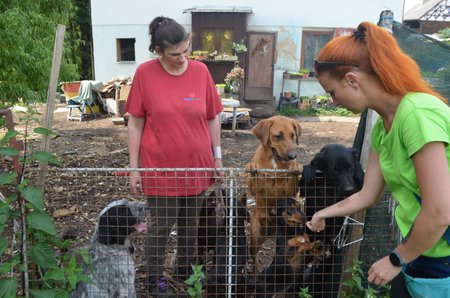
(215, 234)
(113, 272)
(340, 176)
(293, 250)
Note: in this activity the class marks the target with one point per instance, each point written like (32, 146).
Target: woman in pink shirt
(173, 106)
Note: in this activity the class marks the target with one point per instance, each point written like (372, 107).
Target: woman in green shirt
(410, 153)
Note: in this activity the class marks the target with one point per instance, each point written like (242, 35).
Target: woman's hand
(316, 224)
(382, 272)
(218, 165)
(136, 183)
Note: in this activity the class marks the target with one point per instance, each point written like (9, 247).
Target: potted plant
(239, 48)
(200, 55)
(220, 88)
(304, 72)
(287, 94)
(234, 78)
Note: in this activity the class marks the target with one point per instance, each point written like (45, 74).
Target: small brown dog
(279, 138)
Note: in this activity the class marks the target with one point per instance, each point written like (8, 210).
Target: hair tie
(359, 33)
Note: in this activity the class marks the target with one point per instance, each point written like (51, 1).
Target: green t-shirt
(420, 119)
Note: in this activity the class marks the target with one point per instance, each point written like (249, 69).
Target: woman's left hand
(382, 272)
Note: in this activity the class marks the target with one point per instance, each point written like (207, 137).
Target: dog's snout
(292, 155)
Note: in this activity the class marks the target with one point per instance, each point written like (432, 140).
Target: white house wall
(112, 19)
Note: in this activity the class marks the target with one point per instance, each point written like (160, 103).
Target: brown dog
(279, 138)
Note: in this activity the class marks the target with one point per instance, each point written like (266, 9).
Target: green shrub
(32, 255)
(354, 287)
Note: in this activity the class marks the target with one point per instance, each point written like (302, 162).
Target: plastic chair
(81, 107)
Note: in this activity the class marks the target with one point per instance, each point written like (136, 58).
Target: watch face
(394, 259)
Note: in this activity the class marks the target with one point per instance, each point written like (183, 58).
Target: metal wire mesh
(431, 55)
(289, 258)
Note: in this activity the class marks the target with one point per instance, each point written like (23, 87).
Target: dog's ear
(355, 154)
(358, 174)
(319, 161)
(261, 130)
(115, 225)
(309, 173)
(298, 131)
(107, 226)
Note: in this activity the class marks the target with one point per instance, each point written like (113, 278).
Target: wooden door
(261, 58)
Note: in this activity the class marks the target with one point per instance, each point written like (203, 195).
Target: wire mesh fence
(220, 242)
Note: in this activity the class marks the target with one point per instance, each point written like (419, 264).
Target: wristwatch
(396, 259)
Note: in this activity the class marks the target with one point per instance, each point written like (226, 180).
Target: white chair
(84, 100)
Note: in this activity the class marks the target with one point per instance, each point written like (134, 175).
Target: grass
(323, 111)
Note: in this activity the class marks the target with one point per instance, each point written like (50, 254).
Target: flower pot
(200, 57)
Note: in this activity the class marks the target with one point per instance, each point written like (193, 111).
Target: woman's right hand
(316, 224)
(136, 183)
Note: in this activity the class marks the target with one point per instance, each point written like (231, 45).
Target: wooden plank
(51, 95)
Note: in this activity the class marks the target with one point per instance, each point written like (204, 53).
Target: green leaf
(198, 287)
(33, 195)
(43, 293)
(192, 292)
(44, 156)
(8, 287)
(7, 178)
(44, 131)
(9, 135)
(55, 274)
(41, 221)
(4, 215)
(72, 280)
(3, 245)
(190, 281)
(4, 268)
(9, 151)
(43, 255)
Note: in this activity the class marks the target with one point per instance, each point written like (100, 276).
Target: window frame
(125, 50)
(307, 32)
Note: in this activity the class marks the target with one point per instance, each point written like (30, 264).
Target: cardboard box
(124, 90)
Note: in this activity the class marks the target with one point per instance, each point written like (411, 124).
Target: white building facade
(118, 24)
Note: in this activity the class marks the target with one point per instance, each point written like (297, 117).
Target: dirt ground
(99, 143)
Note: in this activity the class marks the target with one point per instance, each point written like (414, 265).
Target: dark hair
(375, 51)
(165, 32)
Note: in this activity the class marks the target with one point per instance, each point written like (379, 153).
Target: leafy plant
(239, 47)
(322, 111)
(355, 287)
(200, 52)
(31, 252)
(304, 71)
(304, 293)
(195, 281)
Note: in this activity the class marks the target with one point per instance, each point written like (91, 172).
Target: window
(312, 42)
(125, 49)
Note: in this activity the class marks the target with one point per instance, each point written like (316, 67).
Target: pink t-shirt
(176, 133)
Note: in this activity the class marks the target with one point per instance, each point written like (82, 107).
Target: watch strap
(399, 258)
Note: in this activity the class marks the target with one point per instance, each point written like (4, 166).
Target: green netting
(432, 56)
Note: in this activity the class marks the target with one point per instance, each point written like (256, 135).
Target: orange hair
(375, 51)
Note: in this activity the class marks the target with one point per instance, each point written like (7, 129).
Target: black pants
(164, 213)
(398, 287)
